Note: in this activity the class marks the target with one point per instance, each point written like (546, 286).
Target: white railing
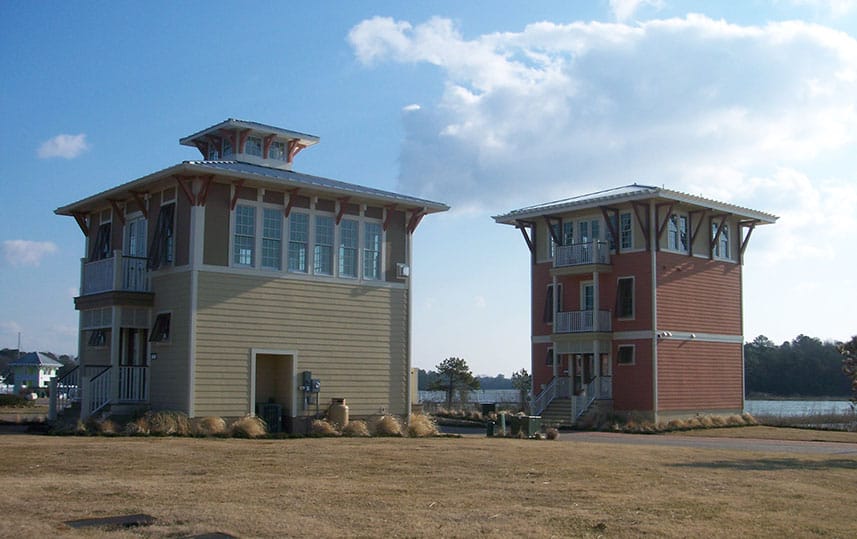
(558, 387)
(97, 392)
(576, 254)
(584, 400)
(65, 391)
(132, 384)
(118, 272)
(581, 321)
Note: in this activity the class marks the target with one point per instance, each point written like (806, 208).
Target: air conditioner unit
(403, 271)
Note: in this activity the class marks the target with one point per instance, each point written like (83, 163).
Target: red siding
(542, 373)
(696, 375)
(698, 295)
(632, 384)
(639, 266)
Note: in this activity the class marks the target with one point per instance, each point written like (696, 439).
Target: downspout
(654, 269)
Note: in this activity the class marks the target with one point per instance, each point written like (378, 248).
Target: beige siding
(169, 373)
(353, 338)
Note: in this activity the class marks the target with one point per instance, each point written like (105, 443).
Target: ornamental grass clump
(208, 426)
(356, 428)
(422, 426)
(552, 434)
(137, 427)
(322, 427)
(749, 419)
(248, 427)
(102, 426)
(167, 423)
(387, 425)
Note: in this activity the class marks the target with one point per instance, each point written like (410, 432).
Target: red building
(636, 303)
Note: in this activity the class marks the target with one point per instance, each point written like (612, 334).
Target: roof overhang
(232, 123)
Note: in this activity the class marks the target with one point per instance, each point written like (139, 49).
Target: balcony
(579, 255)
(119, 273)
(582, 322)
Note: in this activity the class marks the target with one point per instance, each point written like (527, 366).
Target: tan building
(212, 287)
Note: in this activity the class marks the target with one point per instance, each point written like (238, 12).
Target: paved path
(699, 442)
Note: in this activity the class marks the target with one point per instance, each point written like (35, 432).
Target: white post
(117, 270)
(52, 406)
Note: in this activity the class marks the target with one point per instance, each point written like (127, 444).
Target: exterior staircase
(557, 413)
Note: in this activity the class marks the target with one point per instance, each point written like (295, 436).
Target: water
(796, 408)
(480, 396)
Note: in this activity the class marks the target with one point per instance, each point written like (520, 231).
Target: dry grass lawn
(773, 433)
(429, 487)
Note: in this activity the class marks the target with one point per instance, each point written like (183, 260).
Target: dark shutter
(159, 250)
(101, 245)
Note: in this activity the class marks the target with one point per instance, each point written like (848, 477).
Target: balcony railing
(578, 254)
(582, 322)
(119, 272)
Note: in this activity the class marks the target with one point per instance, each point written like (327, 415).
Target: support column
(115, 351)
(596, 328)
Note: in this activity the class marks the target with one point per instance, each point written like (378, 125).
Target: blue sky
(486, 106)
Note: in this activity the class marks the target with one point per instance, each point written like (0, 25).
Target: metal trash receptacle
(272, 414)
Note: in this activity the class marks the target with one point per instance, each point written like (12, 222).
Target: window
(161, 329)
(372, 251)
(590, 230)
(626, 355)
(587, 297)
(567, 233)
(298, 241)
(97, 338)
(272, 239)
(614, 223)
(101, 246)
(626, 238)
(553, 231)
(161, 248)
(323, 250)
(625, 298)
(549, 310)
(348, 248)
(245, 235)
(277, 151)
(213, 152)
(227, 148)
(721, 248)
(549, 357)
(677, 233)
(253, 146)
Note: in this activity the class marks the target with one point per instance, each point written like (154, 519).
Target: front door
(606, 381)
(133, 363)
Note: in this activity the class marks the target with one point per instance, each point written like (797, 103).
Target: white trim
(251, 393)
(253, 272)
(644, 334)
(667, 335)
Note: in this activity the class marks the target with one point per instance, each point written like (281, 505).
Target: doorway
(273, 387)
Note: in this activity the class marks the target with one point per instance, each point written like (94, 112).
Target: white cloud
(411, 108)
(25, 253)
(65, 146)
(625, 9)
(836, 8)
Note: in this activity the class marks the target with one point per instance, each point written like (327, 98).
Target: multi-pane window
(277, 151)
(272, 239)
(626, 238)
(626, 355)
(348, 244)
(625, 298)
(245, 235)
(323, 249)
(567, 233)
(253, 146)
(721, 247)
(589, 230)
(298, 241)
(587, 297)
(677, 233)
(227, 148)
(372, 251)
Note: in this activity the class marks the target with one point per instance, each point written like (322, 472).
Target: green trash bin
(531, 425)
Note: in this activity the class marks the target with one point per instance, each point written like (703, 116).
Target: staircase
(557, 413)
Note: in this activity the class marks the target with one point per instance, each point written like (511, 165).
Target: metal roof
(628, 193)
(255, 126)
(258, 174)
(35, 359)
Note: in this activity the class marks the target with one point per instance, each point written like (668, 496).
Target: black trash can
(489, 428)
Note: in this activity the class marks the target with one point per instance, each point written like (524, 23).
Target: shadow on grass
(773, 464)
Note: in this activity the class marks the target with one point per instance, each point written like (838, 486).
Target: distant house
(636, 302)
(34, 370)
(216, 286)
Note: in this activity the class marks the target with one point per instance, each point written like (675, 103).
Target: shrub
(387, 425)
(248, 427)
(422, 426)
(735, 421)
(552, 434)
(749, 419)
(167, 423)
(102, 426)
(15, 401)
(322, 427)
(356, 428)
(718, 421)
(137, 427)
(208, 426)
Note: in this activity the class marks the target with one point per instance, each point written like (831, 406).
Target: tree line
(803, 367)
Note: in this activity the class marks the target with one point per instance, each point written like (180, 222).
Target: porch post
(596, 327)
(115, 349)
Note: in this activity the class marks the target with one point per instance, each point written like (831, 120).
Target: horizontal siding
(169, 373)
(632, 384)
(698, 295)
(353, 338)
(699, 375)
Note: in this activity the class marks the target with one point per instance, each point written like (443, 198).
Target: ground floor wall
(354, 340)
(699, 377)
(632, 382)
(170, 373)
